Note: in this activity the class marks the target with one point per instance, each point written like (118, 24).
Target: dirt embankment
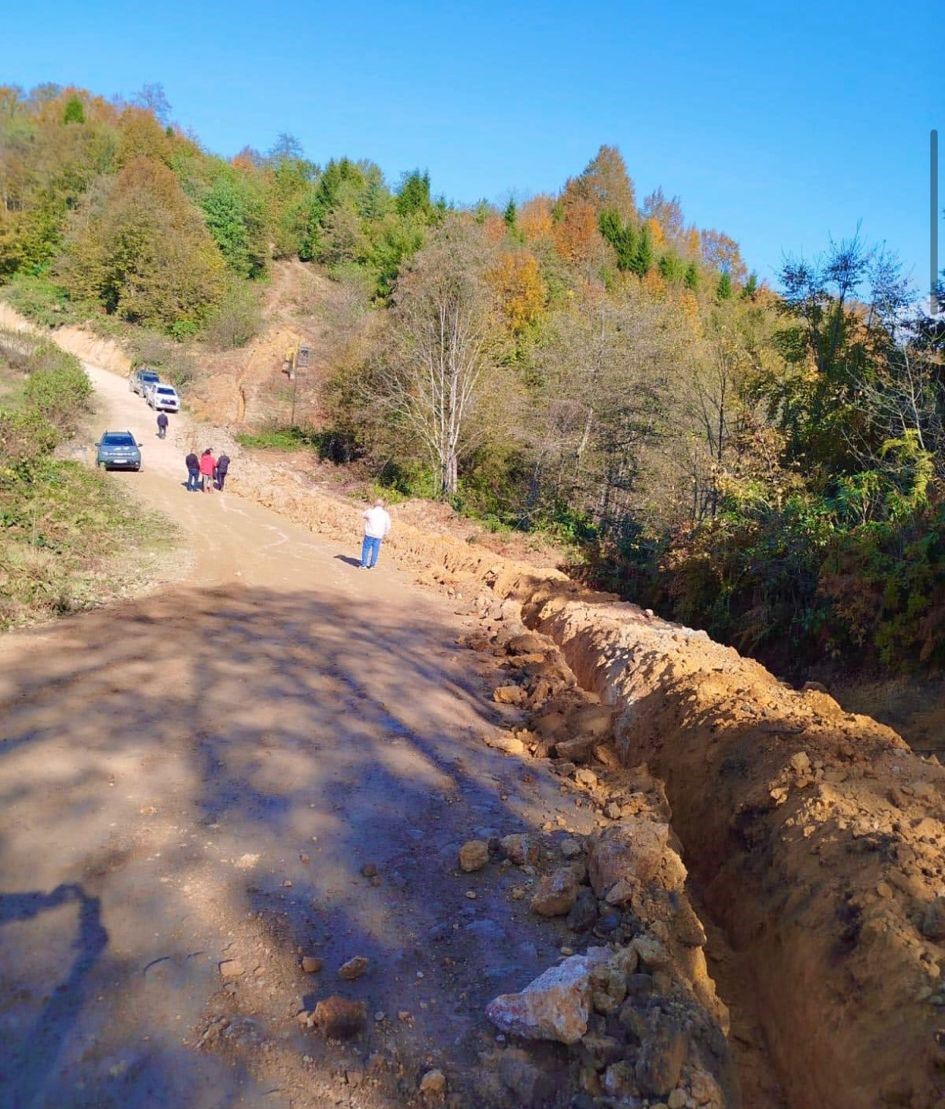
(815, 835)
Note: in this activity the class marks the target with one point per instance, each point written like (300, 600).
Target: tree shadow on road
(222, 765)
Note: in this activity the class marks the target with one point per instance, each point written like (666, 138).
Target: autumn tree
(141, 250)
(604, 184)
(444, 346)
(520, 289)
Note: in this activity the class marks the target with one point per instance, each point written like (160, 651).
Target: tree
(510, 215)
(236, 219)
(151, 96)
(74, 112)
(723, 288)
(642, 260)
(604, 183)
(413, 196)
(691, 278)
(141, 250)
(445, 344)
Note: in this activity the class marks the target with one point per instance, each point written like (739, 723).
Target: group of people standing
(206, 472)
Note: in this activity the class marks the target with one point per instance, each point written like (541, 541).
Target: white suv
(163, 398)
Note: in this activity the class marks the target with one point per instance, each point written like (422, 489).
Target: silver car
(162, 398)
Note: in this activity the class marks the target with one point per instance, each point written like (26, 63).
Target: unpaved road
(200, 775)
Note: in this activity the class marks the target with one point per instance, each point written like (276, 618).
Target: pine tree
(643, 256)
(692, 277)
(74, 112)
(723, 291)
(511, 215)
(751, 287)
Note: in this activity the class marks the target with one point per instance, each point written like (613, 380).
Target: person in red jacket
(207, 465)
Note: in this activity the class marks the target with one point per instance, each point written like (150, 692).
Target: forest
(765, 463)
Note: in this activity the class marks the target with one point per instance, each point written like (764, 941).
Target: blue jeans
(370, 549)
(193, 481)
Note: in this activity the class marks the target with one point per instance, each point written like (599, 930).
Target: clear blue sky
(780, 125)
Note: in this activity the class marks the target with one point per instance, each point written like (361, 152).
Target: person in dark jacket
(223, 466)
(162, 424)
(193, 473)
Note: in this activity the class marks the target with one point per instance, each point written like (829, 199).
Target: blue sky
(780, 127)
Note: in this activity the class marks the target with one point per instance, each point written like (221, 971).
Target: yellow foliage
(654, 284)
(495, 229)
(657, 237)
(521, 289)
(689, 310)
(576, 234)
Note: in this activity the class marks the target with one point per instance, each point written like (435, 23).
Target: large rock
(555, 1006)
(629, 851)
(596, 721)
(504, 741)
(530, 1084)
(556, 892)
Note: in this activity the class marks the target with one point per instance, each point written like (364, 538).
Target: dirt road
(190, 786)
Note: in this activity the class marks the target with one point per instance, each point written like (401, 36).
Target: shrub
(236, 320)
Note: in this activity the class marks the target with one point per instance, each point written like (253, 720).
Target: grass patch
(69, 539)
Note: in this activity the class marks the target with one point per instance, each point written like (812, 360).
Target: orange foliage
(689, 309)
(693, 243)
(534, 218)
(520, 288)
(576, 235)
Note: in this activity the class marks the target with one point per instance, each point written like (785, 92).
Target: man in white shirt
(376, 526)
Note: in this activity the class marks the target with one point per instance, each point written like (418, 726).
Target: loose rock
(933, 920)
(232, 968)
(339, 1018)
(556, 893)
(555, 1006)
(473, 855)
(520, 849)
(433, 1085)
(353, 968)
(311, 964)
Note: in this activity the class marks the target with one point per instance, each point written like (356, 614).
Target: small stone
(473, 855)
(232, 968)
(677, 1099)
(340, 1018)
(311, 964)
(353, 968)
(884, 890)
(800, 763)
(380, 1016)
(530, 1084)
(620, 893)
(471, 895)
(286, 884)
(505, 742)
(510, 695)
(303, 858)
(433, 1085)
(585, 777)
(517, 893)
(369, 870)
(613, 811)
(405, 1016)
(687, 927)
(583, 914)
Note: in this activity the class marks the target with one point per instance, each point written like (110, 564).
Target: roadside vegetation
(767, 464)
(68, 538)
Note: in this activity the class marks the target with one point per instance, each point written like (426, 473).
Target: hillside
(586, 366)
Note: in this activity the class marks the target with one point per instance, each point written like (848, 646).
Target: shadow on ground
(201, 777)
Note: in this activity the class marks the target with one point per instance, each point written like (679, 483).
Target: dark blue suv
(117, 450)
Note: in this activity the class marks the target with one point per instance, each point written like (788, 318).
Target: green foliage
(621, 236)
(642, 261)
(40, 299)
(74, 112)
(691, 278)
(235, 216)
(58, 520)
(723, 287)
(413, 196)
(236, 320)
(510, 215)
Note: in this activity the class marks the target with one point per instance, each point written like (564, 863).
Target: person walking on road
(223, 466)
(162, 424)
(207, 465)
(376, 526)
(192, 462)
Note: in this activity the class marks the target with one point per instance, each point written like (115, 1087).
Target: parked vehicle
(141, 378)
(117, 450)
(163, 398)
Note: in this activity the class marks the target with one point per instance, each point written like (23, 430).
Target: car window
(118, 440)
(150, 377)
(165, 389)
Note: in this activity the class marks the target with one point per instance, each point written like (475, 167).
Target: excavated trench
(814, 836)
